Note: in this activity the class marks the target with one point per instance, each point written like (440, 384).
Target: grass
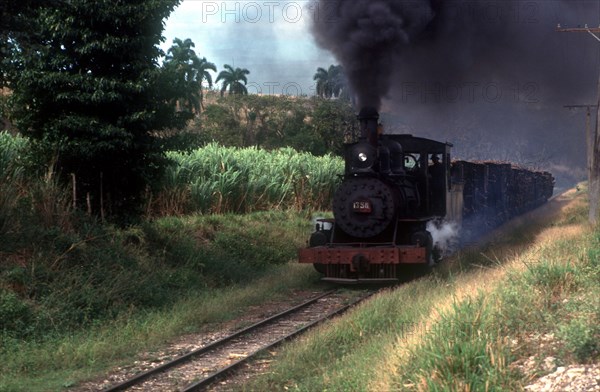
(69, 280)
(471, 324)
(335, 354)
(67, 359)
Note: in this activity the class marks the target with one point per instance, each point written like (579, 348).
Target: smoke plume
(383, 43)
(367, 37)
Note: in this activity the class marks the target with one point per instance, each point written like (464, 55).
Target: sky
(269, 38)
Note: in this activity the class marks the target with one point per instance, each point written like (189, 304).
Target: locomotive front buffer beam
(360, 261)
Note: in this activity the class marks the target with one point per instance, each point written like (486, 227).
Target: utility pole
(588, 134)
(593, 138)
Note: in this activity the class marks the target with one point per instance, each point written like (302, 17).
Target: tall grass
(12, 180)
(27, 199)
(216, 179)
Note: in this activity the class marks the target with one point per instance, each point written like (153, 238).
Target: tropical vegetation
(217, 180)
(76, 293)
(190, 72)
(101, 134)
(331, 82)
(233, 80)
(85, 87)
(314, 125)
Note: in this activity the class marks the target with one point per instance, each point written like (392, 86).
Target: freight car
(394, 188)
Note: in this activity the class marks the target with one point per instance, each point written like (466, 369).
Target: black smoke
(367, 37)
(382, 42)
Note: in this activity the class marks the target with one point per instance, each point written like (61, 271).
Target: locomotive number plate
(363, 207)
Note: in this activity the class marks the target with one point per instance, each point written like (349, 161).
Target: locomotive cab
(392, 186)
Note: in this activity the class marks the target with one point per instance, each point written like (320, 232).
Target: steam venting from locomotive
(446, 235)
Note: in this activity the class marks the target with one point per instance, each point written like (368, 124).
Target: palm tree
(202, 67)
(331, 82)
(190, 71)
(232, 80)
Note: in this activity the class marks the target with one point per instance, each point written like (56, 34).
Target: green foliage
(331, 82)
(582, 337)
(13, 150)
(315, 125)
(557, 298)
(189, 71)
(3, 111)
(581, 329)
(85, 85)
(12, 178)
(61, 362)
(15, 314)
(221, 124)
(63, 270)
(463, 352)
(216, 179)
(553, 279)
(234, 80)
(61, 280)
(594, 255)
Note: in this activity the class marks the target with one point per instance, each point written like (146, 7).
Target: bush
(15, 314)
(582, 337)
(67, 280)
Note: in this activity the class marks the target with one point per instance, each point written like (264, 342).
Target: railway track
(197, 370)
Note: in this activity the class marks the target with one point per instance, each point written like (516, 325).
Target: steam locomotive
(393, 187)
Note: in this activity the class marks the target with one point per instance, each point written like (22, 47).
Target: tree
(87, 87)
(330, 82)
(189, 72)
(232, 80)
(16, 17)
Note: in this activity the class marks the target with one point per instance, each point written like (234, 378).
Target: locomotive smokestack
(368, 118)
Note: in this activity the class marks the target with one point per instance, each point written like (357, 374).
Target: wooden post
(588, 138)
(74, 185)
(89, 204)
(592, 136)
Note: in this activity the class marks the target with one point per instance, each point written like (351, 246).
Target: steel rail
(189, 356)
(199, 385)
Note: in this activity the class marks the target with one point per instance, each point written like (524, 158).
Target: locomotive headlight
(361, 158)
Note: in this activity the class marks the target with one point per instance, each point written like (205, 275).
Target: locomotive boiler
(393, 186)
